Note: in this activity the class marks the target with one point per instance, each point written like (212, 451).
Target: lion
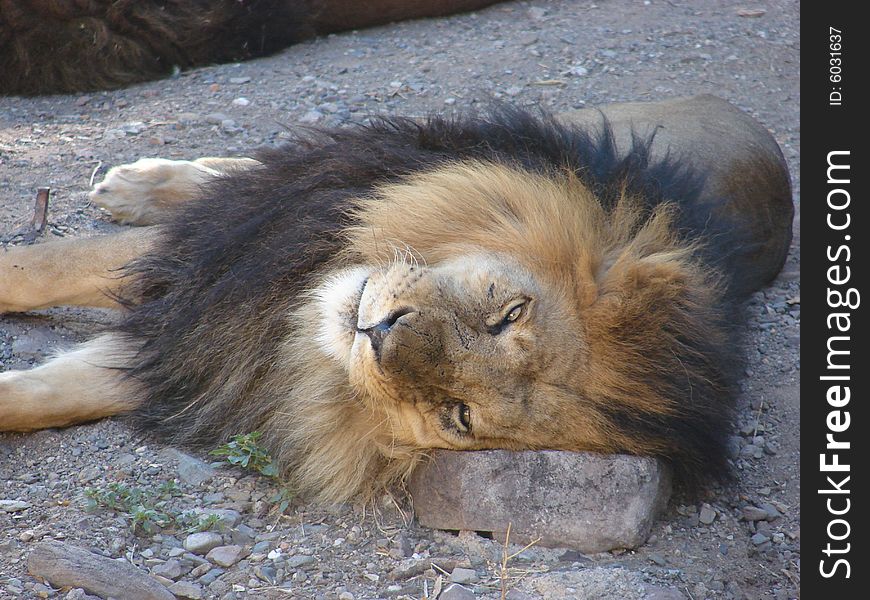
(366, 294)
(107, 44)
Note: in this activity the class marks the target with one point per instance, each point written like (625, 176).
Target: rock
(12, 506)
(79, 594)
(229, 518)
(202, 542)
(211, 575)
(133, 127)
(64, 565)
(754, 513)
(345, 596)
(216, 118)
(229, 126)
(771, 511)
(239, 80)
(460, 575)
(759, 538)
(171, 569)
(454, 591)
(300, 560)
(312, 116)
(589, 502)
(26, 536)
(659, 593)
(515, 594)
(225, 556)
(190, 469)
(200, 570)
(708, 515)
(267, 574)
(185, 589)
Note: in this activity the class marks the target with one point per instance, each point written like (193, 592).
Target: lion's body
(508, 282)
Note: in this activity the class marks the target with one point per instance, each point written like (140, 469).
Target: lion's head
(466, 354)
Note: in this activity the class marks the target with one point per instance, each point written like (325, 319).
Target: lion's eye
(462, 417)
(497, 322)
(515, 312)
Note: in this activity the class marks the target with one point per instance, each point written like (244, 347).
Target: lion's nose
(378, 332)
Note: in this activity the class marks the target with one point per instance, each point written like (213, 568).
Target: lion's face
(474, 352)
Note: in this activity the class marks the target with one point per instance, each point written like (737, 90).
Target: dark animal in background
(65, 46)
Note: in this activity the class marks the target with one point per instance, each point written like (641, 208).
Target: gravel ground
(742, 541)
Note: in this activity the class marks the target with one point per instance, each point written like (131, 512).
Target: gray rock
(590, 502)
(216, 118)
(759, 538)
(79, 594)
(300, 560)
(171, 569)
(708, 515)
(754, 513)
(202, 542)
(454, 591)
(12, 506)
(771, 511)
(267, 574)
(225, 556)
(185, 589)
(190, 469)
(63, 565)
(229, 518)
(211, 575)
(200, 570)
(133, 127)
(460, 575)
(515, 594)
(312, 116)
(659, 593)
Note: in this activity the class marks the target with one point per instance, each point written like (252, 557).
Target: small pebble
(708, 515)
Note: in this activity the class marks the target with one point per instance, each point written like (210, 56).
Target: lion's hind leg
(84, 384)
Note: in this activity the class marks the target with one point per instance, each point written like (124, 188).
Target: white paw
(144, 192)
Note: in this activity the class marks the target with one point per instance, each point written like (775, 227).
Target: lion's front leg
(146, 191)
(82, 385)
(79, 272)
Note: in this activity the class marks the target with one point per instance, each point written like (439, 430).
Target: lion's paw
(143, 192)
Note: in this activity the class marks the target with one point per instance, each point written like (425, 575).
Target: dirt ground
(742, 541)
